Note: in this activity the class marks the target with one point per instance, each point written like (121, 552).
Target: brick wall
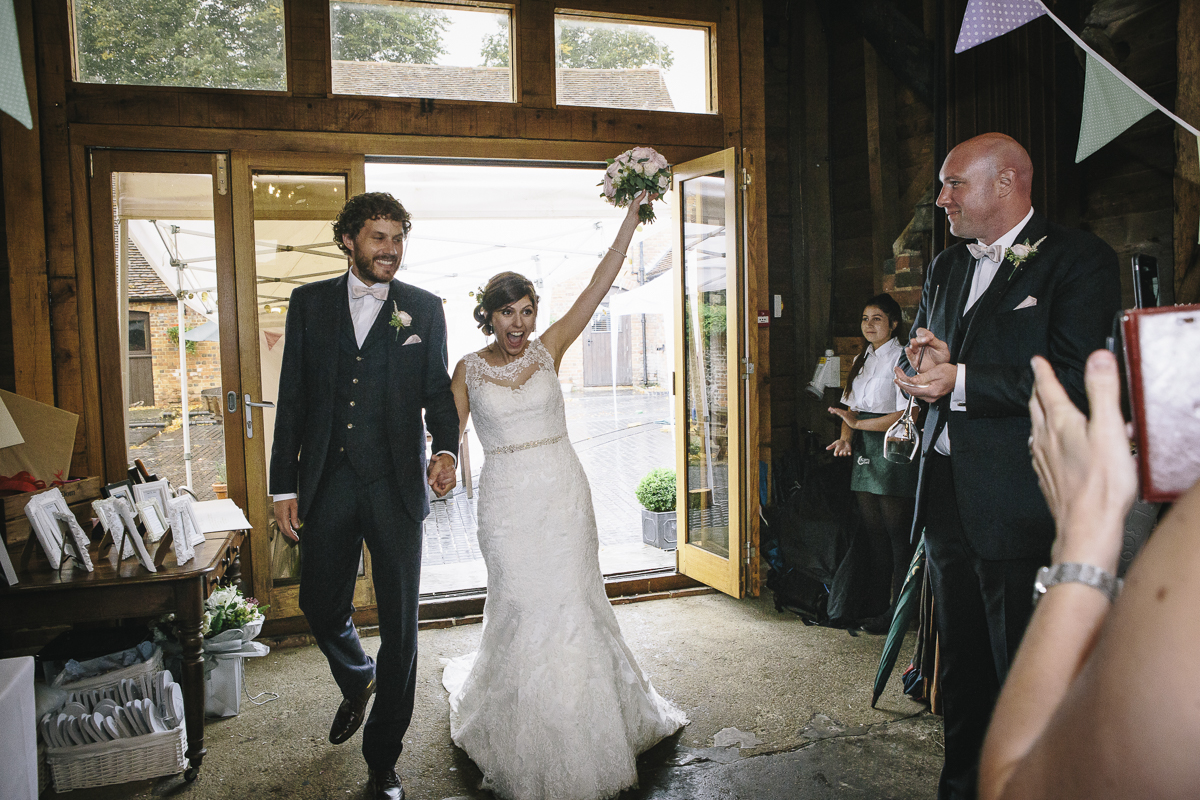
(203, 366)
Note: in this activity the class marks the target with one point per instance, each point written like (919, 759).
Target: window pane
(138, 343)
(625, 65)
(421, 50)
(222, 44)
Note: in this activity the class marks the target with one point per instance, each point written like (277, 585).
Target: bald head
(986, 186)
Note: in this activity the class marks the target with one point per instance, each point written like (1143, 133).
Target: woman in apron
(885, 489)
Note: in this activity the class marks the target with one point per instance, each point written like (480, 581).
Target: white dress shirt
(874, 389)
(985, 271)
(363, 313)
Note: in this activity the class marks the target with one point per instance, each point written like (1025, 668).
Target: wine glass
(902, 440)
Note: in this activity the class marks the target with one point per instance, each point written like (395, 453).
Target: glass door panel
(284, 211)
(156, 227)
(708, 411)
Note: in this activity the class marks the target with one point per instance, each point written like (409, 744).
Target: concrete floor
(803, 692)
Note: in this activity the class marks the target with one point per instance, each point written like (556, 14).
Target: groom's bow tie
(995, 251)
(379, 291)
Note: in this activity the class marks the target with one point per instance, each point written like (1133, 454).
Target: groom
(363, 355)
(1023, 286)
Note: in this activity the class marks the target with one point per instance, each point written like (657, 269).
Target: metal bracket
(222, 174)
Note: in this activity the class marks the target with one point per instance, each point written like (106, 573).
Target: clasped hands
(440, 475)
(937, 375)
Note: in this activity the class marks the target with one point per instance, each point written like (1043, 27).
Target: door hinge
(747, 178)
(222, 175)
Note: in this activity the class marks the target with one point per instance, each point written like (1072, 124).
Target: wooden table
(45, 596)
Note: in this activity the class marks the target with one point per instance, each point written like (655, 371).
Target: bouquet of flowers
(224, 610)
(641, 169)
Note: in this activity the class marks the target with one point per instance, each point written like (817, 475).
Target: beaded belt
(513, 448)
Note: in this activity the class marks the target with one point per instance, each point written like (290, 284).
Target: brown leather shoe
(350, 715)
(384, 785)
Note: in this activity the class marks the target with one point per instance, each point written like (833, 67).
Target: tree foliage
(211, 43)
(235, 44)
(584, 46)
(397, 34)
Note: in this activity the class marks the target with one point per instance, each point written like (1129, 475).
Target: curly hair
(502, 289)
(362, 207)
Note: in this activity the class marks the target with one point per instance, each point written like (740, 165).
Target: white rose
(664, 182)
(609, 191)
(405, 318)
(1021, 250)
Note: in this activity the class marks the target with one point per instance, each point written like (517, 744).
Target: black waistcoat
(359, 411)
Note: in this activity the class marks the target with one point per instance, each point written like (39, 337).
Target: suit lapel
(335, 316)
(954, 295)
(1001, 283)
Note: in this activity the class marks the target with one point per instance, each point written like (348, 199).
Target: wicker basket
(142, 670)
(121, 760)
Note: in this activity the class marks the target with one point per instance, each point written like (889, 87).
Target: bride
(553, 706)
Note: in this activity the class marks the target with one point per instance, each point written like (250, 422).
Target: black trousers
(346, 511)
(981, 608)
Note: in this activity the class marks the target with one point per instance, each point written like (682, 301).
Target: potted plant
(656, 493)
(221, 487)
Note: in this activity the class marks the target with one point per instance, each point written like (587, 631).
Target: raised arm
(559, 336)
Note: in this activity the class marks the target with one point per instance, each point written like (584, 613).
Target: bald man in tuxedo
(1019, 286)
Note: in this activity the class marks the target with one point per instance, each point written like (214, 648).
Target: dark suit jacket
(417, 379)
(1075, 280)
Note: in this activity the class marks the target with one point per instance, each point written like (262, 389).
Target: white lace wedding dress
(553, 706)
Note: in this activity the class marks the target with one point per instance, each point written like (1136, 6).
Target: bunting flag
(1109, 107)
(985, 20)
(13, 98)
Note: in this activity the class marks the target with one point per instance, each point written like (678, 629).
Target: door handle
(250, 414)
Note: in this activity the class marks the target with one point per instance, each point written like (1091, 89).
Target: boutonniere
(1018, 254)
(400, 319)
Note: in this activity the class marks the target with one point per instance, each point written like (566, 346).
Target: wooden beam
(815, 267)
(754, 149)
(20, 151)
(882, 161)
(1187, 169)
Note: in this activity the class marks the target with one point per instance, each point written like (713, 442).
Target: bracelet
(1073, 572)
(618, 252)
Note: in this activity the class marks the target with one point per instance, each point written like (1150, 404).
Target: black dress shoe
(350, 715)
(384, 785)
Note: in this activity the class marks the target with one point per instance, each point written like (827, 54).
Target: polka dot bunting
(984, 20)
(1109, 107)
(13, 98)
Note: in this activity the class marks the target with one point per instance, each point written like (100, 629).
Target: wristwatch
(1073, 572)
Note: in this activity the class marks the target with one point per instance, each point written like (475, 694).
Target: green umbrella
(906, 606)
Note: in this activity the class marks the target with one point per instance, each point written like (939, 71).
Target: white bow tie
(379, 291)
(995, 252)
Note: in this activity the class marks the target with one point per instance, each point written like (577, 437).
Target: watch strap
(1074, 572)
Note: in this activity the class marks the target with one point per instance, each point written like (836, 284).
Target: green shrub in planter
(656, 492)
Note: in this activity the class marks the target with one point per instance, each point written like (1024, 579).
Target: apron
(874, 474)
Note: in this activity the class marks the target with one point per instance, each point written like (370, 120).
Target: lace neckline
(514, 368)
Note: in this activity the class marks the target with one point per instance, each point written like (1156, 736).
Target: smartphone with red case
(1162, 366)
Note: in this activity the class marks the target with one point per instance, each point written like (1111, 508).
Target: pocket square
(1028, 302)
(414, 339)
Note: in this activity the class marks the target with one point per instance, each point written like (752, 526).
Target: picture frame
(153, 519)
(57, 528)
(195, 532)
(134, 533)
(179, 513)
(190, 525)
(114, 527)
(119, 489)
(159, 491)
(45, 527)
(6, 567)
(75, 541)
